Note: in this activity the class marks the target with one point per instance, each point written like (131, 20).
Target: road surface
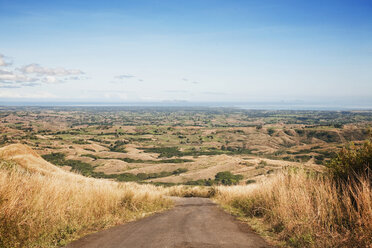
(193, 223)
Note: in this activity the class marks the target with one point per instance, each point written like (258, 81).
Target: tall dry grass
(39, 209)
(189, 191)
(307, 211)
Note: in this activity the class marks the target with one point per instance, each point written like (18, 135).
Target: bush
(249, 181)
(352, 162)
(271, 131)
(80, 142)
(227, 178)
(167, 152)
(201, 182)
(76, 165)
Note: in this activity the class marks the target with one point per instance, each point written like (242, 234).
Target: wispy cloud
(40, 70)
(2, 72)
(8, 77)
(50, 80)
(9, 86)
(190, 81)
(124, 76)
(35, 74)
(3, 62)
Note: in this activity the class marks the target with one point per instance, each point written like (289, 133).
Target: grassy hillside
(178, 147)
(304, 208)
(303, 211)
(42, 205)
(307, 209)
(181, 145)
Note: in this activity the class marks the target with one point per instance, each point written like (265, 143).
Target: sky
(195, 51)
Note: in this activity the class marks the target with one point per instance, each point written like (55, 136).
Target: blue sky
(205, 50)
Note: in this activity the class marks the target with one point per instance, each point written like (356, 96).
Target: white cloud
(75, 78)
(2, 61)
(50, 79)
(2, 86)
(15, 78)
(37, 69)
(34, 74)
(11, 77)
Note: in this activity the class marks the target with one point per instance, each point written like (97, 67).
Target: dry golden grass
(189, 191)
(47, 208)
(306, 211)
(44, 206)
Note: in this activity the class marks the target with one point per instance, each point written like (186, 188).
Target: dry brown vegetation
(190, 191)
(43, 206)
(306, 210)
(116, 140)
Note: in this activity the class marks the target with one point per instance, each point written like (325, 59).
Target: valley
(174, 145)
(67, 172)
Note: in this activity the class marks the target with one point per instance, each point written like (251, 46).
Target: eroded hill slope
(44, 206)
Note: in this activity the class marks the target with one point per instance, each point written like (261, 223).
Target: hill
(29, 160)
(44, 206)
(181, 146)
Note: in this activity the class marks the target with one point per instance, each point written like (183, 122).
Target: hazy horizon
(299, 105)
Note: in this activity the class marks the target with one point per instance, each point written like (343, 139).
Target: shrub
(351, 162)
(80, 142)
(270, 131)
(227, 178)
(201, 182)
(167, 152)
(76, 165)
(249, 181)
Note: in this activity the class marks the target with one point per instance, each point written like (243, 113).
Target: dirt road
(193, 223)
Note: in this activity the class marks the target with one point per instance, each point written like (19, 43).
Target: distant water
(300, 107)
(240, 105)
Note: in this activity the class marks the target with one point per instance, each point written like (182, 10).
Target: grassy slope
(43, 206)
(295, 209)
(301, 210)
(305, 211)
